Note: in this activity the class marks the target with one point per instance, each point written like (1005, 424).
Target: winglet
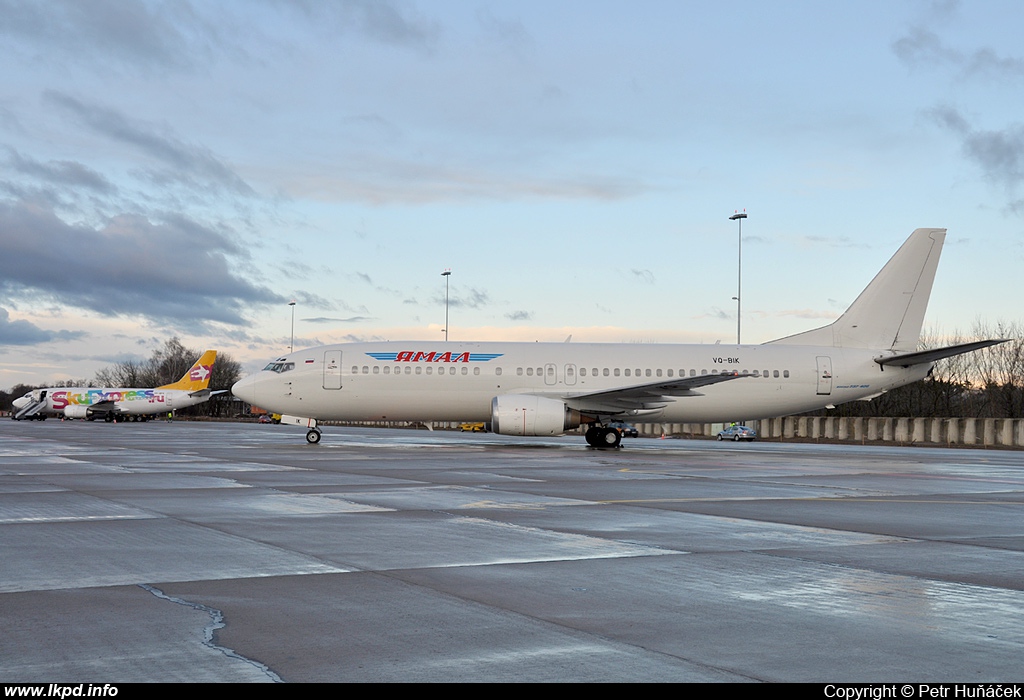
(198, 376)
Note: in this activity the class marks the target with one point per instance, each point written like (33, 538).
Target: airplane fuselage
(458, 381)
(76, 401)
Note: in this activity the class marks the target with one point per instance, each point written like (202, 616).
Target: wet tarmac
(237, 552)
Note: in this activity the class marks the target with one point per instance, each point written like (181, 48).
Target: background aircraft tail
(889, 313)
(198, 375)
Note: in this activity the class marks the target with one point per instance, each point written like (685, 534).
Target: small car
(625, 429)
(265, 419)
(738, 432)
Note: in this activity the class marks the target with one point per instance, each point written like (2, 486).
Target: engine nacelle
(521, 414)
(77, 412)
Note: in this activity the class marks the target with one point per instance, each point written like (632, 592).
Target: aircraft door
(570, 375)
(332, 369)
(824, 376)
(550, 374)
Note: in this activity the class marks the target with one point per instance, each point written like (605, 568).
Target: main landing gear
(313, 436)
(603, 436)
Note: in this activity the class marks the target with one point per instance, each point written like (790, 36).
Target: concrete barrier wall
(907, 431)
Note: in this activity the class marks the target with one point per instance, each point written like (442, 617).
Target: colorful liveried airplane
(117, 404)
(549, 388)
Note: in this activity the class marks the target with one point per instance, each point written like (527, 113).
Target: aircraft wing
(645, 397)
(104, 407)
(908, 359)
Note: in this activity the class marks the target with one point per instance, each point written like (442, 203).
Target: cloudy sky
(188, 168)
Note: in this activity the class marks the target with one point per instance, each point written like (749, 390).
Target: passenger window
(670, 373)
(785, 373)
(627, 372)
(583, 371)
(529, 371)
(419, 370)
(605, 372)
(647, 372)
(465, 370)
(775, 373)
(376, 369)
(497, 371)
(476, 370)
(430, 370)
(616, 371)
(658, 372)
(519, 371)
(387, 369)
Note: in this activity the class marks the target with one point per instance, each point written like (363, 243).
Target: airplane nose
(245, 389)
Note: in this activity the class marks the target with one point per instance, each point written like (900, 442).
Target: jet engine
(78, 412)
(521, 414)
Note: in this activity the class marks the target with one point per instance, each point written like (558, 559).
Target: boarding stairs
(30, 411)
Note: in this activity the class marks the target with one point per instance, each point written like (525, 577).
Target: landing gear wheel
(591, 436)
(313, 437)
(609, 437)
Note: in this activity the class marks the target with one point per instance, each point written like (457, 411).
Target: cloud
(472, 299)
(137, 32)
(645, 276)
(508, 33)
(194, 166)
(325, 319)
(63, 172)
(26, 333)
(519, 316)
(999, 153)
(384, 21)
(924, 48)
(174, 270)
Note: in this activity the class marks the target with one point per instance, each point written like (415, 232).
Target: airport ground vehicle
(737, 433)
(625, 429)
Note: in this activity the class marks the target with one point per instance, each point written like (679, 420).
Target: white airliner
(549, 388)
(115, 404)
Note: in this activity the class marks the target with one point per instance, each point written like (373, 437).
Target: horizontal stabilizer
(909, 359)
(207, 392)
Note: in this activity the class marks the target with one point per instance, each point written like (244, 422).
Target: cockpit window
(279, 367)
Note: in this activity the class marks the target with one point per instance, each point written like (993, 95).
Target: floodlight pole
(446, 274)
(291, 347)
(738, 217)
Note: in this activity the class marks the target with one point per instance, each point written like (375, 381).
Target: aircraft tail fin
(198, 376)
(889, 313)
